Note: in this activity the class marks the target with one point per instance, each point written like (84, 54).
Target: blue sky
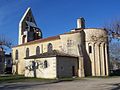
(56, 16)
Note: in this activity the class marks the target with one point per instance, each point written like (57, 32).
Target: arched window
(90, 49)
(27, 52)
(37, 50)
(50, 47)
(45, 64)
(33, 64)
(16, 55)
(23, 39)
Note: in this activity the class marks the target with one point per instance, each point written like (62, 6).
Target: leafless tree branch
(5, 41)
(113, 30)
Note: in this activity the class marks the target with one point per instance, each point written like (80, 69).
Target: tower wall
(73, 44)
(96, 55)
(28, 30)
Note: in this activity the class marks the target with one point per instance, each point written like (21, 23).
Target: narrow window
(33, 65)
(90, 49)
(27, 52)
(23, 39)
(45, 64)
(16, 55)
(50, 47)
(37, 50)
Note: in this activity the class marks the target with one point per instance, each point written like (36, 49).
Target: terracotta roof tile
(40, 40)
(53, 53)
(50, 38)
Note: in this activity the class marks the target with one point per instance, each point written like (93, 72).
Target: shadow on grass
(22, 85)
(21, 82)
(16, 78)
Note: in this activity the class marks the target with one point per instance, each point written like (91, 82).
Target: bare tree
(115, 50)
(5, 42)
(113, 30)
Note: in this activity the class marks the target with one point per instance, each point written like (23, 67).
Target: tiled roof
(53, 53)
(50, 38)
(39, 40)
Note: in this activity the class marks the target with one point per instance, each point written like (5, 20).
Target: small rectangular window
(90, 49)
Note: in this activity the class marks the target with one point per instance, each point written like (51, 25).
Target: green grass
(18, 78)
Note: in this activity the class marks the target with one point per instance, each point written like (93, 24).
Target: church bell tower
(28, 30)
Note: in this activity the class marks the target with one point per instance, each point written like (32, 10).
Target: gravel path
(85, 84)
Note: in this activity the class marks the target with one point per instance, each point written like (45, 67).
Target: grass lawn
(18, 78)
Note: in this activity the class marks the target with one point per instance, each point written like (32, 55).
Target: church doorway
(73, 70)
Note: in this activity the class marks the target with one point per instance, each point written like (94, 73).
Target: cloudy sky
(56, 16)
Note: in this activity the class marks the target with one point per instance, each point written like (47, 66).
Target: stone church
(78, 53)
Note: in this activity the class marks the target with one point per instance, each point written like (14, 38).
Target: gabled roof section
(28, 11)
(53, 53)
(40, 41)
(48, 38)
